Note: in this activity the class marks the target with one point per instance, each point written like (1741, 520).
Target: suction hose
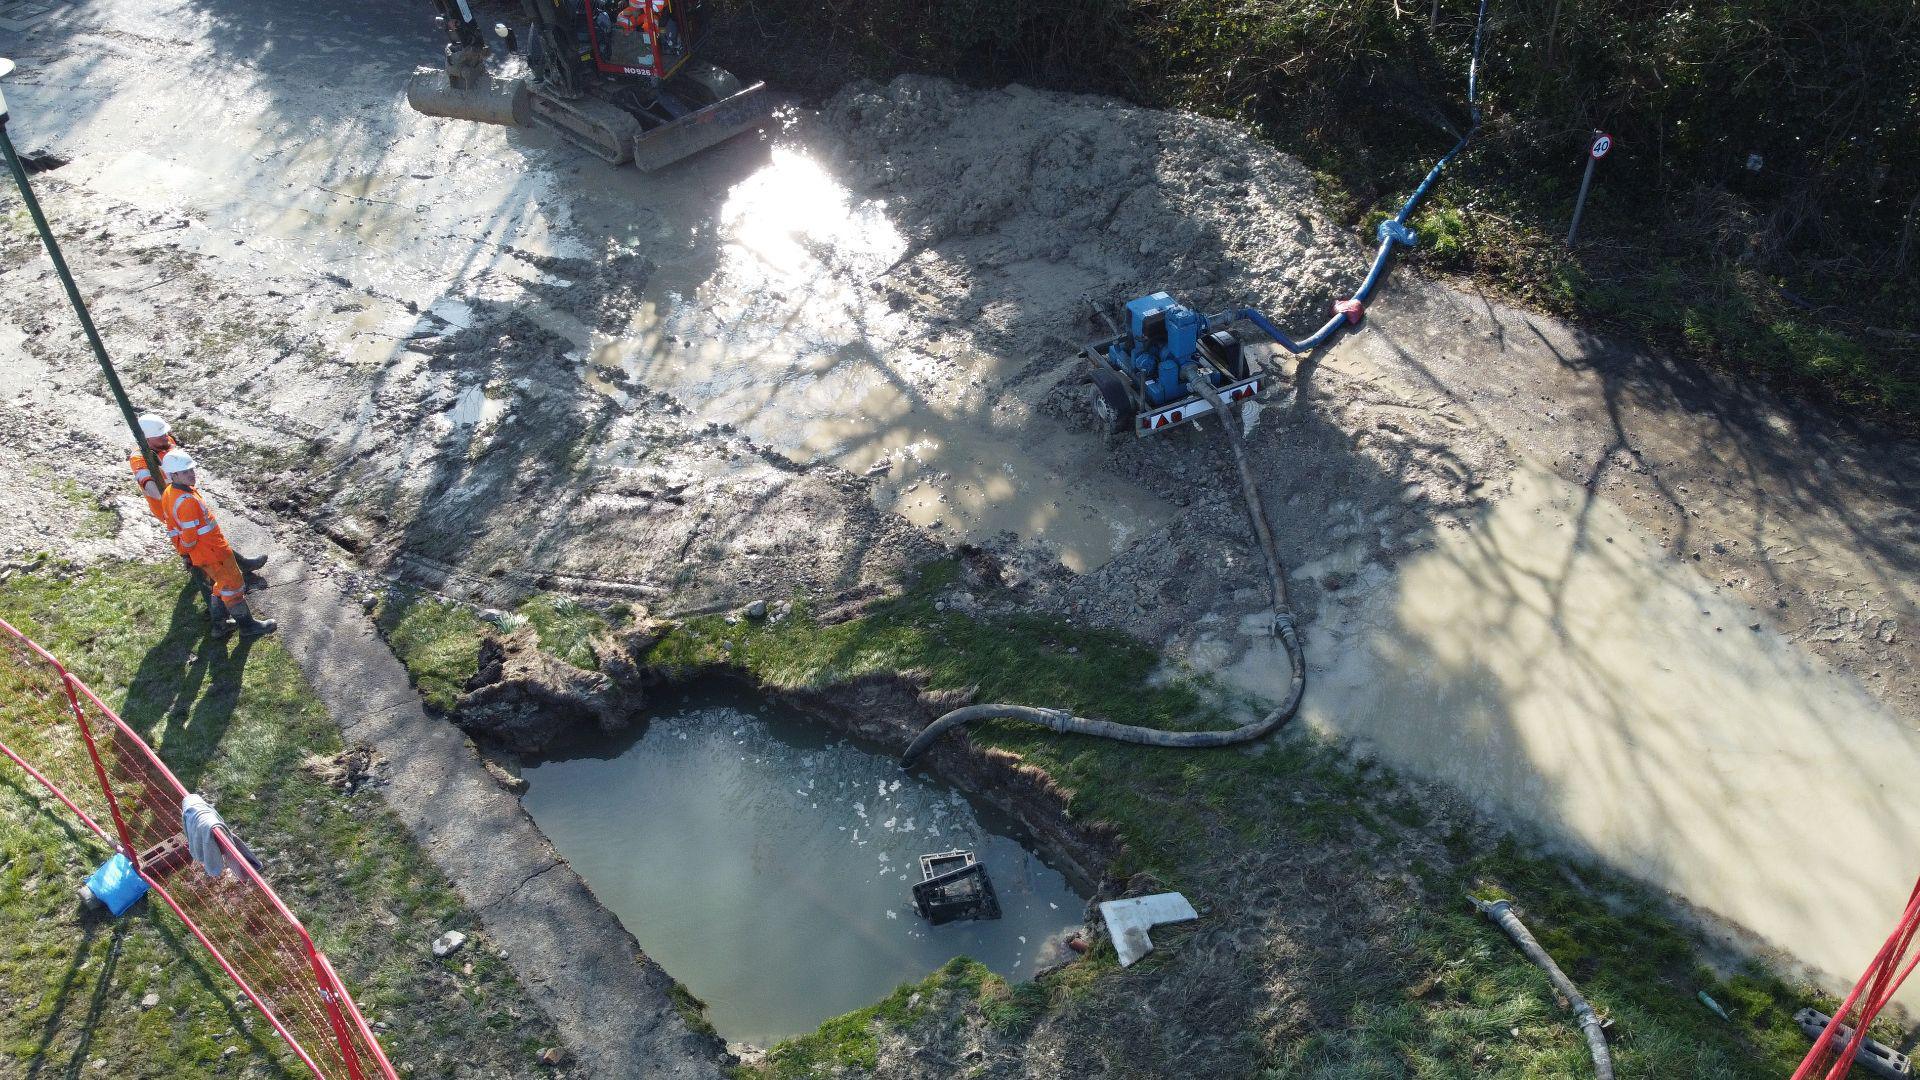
(1500, 911)
(1282, 628)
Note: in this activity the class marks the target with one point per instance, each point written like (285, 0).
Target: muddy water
(1556, 663)
(766, 863)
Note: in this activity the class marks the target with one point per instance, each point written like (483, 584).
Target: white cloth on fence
(198, 819)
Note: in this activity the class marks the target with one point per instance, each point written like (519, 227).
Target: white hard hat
(152, 426)
(177, 460)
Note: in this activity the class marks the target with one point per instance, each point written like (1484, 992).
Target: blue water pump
(1162, 337)
(1150, 377)
(1145, 374)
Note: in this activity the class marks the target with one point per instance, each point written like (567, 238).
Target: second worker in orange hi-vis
(191, 521)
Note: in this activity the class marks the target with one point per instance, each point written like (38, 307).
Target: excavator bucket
(704, 127)
(486, 99)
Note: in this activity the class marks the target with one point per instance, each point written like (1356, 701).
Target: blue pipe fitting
(1393, 231)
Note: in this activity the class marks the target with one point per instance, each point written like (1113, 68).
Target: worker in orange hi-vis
(159, 438)
(636, 25)
(190, 516)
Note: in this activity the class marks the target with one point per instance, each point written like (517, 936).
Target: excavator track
(602, 129)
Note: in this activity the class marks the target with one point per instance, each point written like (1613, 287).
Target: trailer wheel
(1111, 401)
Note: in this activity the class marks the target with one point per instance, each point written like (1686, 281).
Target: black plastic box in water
(953, 885)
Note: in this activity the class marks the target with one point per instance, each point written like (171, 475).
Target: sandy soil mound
(1134, 197)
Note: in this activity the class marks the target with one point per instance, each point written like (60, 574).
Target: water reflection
(767, 864)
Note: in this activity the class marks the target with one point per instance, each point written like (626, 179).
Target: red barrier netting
(1882, 979)
(37, 731)
(49, 716)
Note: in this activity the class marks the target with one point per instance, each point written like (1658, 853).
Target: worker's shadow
(183, 694)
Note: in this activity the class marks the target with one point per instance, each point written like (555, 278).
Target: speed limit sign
(1602, 142)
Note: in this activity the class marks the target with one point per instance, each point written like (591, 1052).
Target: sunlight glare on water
(788, 212)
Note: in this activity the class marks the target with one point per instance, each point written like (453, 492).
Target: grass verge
(234, 724)
(439, 640)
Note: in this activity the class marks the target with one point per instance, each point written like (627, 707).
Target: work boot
(222, 622)
(250, 563)
(251, 627)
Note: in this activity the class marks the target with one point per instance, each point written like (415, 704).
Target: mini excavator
(619, 78)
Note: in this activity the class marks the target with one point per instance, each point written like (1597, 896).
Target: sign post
(1602, 142)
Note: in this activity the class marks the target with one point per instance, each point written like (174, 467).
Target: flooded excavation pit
(769, 864)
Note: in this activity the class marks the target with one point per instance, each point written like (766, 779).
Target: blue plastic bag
(116, 884)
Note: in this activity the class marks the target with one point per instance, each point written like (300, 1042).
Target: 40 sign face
(1602, 143)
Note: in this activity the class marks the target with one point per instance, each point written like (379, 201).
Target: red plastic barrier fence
(1882, 979)
(56, 729)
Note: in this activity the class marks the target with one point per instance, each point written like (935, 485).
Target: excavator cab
(619, 78)
(649, 38)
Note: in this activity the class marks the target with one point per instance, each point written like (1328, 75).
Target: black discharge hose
(1501, 911)
(1282, 627)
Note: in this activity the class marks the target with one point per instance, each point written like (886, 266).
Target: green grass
(852, 1040)
(565, 628)
(234, 724)
(1455, 989)
(439, 640)
(1698, 305)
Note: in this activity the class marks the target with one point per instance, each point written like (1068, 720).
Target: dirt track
(1655, 616)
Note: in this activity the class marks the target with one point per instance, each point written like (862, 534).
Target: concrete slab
(1129, 920)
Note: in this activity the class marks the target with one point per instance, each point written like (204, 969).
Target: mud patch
(1033, 201)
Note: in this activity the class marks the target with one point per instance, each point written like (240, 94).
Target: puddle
(766, 862)
(473, 407)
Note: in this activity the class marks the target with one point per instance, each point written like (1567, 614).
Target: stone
(150, 1001)
(757, 609)
(505, 778)
(448, 943)
(552, 1056)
